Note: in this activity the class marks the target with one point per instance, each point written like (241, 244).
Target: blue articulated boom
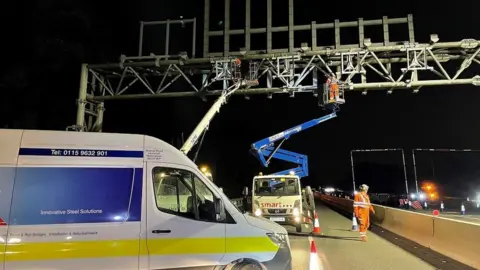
(264, 150)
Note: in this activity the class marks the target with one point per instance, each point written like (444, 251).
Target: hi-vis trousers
(363, 220)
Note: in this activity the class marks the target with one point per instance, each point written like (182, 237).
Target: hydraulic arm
(203, 125)
(264, 150)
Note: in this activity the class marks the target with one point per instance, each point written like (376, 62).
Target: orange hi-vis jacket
(362, 208)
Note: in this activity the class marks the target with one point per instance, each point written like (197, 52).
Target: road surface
(340, 249)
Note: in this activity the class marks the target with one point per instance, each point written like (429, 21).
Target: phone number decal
(58, 152)
(81, 153)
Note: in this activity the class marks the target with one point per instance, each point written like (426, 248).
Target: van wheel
(247, 266)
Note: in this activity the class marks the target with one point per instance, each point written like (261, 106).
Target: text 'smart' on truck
(83, 200)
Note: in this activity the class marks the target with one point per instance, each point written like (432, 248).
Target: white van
(82, 200)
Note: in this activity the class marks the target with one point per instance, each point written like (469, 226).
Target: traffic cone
(314, 262)
(354, 224)
(316, 224)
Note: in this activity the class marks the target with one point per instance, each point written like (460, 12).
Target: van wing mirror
(220, 210)
(245, 191)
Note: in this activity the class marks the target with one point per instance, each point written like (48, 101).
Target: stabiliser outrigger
(278, 196)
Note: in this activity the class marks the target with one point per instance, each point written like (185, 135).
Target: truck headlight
(279, 239)
(296, 212)
(258, 212)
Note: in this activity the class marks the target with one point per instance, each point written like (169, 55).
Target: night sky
(49, 40)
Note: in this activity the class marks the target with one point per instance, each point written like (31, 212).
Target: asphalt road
(338, 248)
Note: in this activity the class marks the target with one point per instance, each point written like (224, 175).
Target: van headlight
(279, 239)
(258, 212)
(296, 212)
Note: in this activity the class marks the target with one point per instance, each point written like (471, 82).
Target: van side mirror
(219, 210)
(245, 191)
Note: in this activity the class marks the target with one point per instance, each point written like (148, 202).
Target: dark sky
(49, 39)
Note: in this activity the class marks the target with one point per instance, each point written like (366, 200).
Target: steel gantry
(368, 65)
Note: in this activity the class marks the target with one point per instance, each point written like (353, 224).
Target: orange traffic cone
(313, 247)
(354, 224)
(316, 224)
(314, 261)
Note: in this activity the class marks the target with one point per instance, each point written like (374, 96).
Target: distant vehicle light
(329, 190)
(413, 196)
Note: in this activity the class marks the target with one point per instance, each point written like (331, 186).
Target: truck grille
(277, 211)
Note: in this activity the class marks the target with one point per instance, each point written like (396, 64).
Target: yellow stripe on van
(124, 248)
(177, 246)
(250, 244)
(2, 249)
(71, 250)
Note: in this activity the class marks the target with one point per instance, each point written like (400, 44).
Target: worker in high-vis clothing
(362, 208)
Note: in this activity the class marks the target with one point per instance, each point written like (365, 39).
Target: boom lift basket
(333, 92)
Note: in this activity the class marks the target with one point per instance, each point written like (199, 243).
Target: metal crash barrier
(455, 239)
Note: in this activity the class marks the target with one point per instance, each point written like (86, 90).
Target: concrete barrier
(455, 239)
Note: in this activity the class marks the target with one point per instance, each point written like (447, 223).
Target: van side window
(171, 193)
(205, 200)
(181, 193)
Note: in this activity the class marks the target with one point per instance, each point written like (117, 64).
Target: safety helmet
(364, 187)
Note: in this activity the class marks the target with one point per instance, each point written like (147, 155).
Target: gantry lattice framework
(368, 65)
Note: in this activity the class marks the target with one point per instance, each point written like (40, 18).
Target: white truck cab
(278, 198)
(78, 200)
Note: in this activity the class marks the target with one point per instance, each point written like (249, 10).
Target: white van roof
(17, 142)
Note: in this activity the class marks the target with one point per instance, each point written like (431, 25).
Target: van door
(182, 228)
(7, 178)
(75, 218)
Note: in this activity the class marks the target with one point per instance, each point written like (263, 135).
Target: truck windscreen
(277, 186)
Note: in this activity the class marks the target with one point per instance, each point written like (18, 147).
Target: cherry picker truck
(279, 196)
